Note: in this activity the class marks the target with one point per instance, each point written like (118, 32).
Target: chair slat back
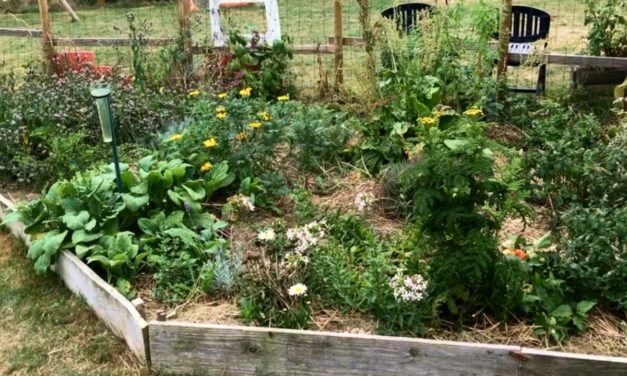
(529, 24)
(406, 15)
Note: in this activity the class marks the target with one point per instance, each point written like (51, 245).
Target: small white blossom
(409, 288)
(363, 201)
(306, 236)
(267, 235)
(298, 289)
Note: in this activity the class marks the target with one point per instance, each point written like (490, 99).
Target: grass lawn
(45, 330)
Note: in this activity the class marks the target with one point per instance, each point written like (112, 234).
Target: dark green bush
(49, 126)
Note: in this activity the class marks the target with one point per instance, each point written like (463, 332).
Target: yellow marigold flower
(221, 115)
(254, 124)
(241, 136)
(428, 120)
(265, 116)
(283, 98)
(210, 143)
(206, 167)
(176, 137)
(193, 94)
(220, 109)
(222, 95)
(473, 111)
(245, 92)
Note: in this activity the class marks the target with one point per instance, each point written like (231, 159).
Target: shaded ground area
(45, 330)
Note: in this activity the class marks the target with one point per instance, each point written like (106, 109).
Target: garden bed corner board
(107, 303)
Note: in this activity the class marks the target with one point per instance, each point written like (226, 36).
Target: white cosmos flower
(298, 289)
(267, 235)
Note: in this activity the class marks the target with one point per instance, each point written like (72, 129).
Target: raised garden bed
(179, 347)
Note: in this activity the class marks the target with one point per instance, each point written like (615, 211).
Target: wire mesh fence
(306, 22)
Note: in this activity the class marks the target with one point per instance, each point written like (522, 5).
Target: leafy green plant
(259, 140)
(49, 128)
(261, 66)
(457, 202)
(594, 263)
(549, 300)
(608, 27)
(161, 205)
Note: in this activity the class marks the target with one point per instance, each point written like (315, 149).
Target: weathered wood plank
(542, 363)
(231, 350)
(12, 32)
(107, 303)
(100, 42)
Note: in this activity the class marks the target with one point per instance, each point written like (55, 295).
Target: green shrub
(595, 264)
(608, 27)
(50, 123)
(261, 66)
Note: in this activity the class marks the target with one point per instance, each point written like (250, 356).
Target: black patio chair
(407, 15)
(529, 25)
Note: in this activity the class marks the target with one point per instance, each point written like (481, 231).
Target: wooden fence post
(46, 40)
(504, 33)
(185, 25)
(339, 43)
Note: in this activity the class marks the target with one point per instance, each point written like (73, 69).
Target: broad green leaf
(580, 323)
(90, 225)
(76, 221)
(125, 288)
(175, 198)
(148, 226)
(455, 144)
(71, 205)
(195, 190)
(43, 263)
(133, 203)
(563, 311)
(82, 236)
(584, 306)
(141, 188)
(101, 259)
(128, 179)
(145, 163)
(124, 243)
(203, 220)
(12, 217)
(50, 243)
(186, 235)
(174, 219)
(82, 250)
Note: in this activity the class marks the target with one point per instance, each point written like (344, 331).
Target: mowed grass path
(45, 330)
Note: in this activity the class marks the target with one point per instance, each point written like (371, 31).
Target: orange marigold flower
(521, 254)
